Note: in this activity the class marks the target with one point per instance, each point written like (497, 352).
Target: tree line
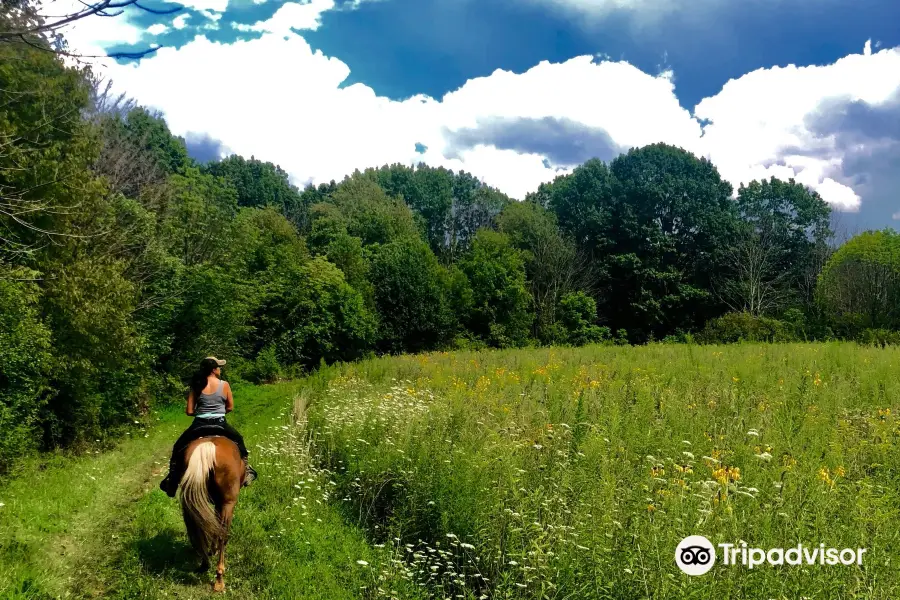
(123, 260)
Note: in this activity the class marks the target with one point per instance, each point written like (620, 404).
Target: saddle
(204, 431)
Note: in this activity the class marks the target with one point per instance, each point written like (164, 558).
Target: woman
(209, 400)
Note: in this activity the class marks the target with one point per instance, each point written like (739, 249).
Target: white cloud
(90, 35)
(205, 5)
(293, 15)
(157, 29)
(180, 22)
(758, 118)
(277, 99)
(213, 14)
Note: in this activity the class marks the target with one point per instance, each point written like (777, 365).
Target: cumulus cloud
(205, 5)
(785, 121)
(294, 16)
(276, 98)
(204, 148)
(157, 29)
(562, 141)
(867, 138)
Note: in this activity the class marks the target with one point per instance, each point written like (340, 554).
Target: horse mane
(203, 526)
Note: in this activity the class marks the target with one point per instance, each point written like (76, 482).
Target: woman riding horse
(208, 402)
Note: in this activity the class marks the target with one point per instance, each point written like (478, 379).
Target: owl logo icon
(695, 555)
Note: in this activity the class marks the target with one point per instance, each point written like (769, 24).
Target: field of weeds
(574, 473)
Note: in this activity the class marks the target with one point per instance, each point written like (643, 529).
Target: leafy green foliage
(501, 304)
(411, 297)
(149, 131)
(577, 318)
(653, 223)
(258, 184)
(860, 285)
(316, 315)
(449, 207)
(553, 265)
(744, 327)
(25, 358)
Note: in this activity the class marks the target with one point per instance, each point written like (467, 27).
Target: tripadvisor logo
(695, 555)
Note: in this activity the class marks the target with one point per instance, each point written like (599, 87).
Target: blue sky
(803, 88)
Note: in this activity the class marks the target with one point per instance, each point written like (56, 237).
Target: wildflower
(362, 562)
(825, 476)
(725, 475)
(753, 432)
(650, 508)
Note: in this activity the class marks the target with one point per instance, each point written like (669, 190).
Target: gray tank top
(211, 405)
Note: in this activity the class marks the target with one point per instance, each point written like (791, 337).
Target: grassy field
(551, 473)
(98, 526)
(575, 473)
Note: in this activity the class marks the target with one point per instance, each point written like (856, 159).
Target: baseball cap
(220, 362)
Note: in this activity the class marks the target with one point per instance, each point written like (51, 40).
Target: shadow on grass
(167, 554)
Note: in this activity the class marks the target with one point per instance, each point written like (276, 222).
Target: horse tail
(203, 526)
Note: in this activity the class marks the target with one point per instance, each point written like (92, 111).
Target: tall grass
(574, 473)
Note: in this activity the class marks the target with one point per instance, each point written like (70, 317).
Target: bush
(266, 367)
(577, 316)
(680, 337)
(24, 359)
(744, 327)
(879, 337)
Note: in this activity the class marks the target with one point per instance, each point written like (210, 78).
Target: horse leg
(225, 515)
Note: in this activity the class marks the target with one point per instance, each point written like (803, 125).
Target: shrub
(744, 327)
(577, 316)
(879, 337)
(24, 359)
(266, 367)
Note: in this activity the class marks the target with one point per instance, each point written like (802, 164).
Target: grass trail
(98, 526)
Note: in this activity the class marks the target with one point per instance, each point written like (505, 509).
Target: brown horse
(214, 475)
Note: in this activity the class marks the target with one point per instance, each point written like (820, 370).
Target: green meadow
(545, 473)
(574, 473)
